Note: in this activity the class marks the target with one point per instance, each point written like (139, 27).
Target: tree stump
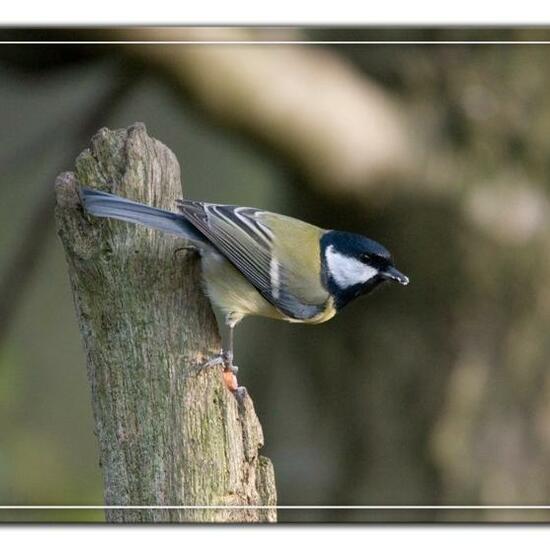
(170, 433)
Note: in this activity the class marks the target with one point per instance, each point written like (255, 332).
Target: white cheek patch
(347, 271)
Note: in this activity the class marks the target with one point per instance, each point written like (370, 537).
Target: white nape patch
(347, 271)
(275, 277)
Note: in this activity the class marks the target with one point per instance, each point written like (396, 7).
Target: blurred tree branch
(343, 131)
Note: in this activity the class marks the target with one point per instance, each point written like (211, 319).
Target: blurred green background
(434, 394)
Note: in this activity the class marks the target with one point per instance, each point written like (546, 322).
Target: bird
(259, 263)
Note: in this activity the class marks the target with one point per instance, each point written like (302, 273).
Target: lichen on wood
(169, 431)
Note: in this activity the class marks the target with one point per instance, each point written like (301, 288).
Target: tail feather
(106, 205)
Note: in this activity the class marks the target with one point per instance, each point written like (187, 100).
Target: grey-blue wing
(240, 235)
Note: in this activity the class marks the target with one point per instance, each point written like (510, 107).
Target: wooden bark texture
(169, 432)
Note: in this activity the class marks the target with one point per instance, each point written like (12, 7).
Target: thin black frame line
(273, 42)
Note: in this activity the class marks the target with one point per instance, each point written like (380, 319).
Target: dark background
(433, 394)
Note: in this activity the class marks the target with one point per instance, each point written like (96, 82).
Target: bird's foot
(215, 361)
(228, 361)
(229, 372)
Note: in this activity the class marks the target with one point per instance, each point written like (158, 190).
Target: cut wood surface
(169, 431)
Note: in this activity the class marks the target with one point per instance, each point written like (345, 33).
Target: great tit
(260, 263)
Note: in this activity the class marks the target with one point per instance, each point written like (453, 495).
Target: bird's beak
(395, 275)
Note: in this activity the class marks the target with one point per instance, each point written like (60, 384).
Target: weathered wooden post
(170, 433)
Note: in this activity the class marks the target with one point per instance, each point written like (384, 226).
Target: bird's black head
(353, 265)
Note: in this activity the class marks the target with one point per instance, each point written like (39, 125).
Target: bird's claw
(215, 361)
(228, 360)
(230, 370)
(224, 358)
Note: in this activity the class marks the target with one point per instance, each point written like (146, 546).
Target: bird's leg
(228, 353)
(226, 358)
(230, 370)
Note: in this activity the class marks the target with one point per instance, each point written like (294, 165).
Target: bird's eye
(365, 257)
